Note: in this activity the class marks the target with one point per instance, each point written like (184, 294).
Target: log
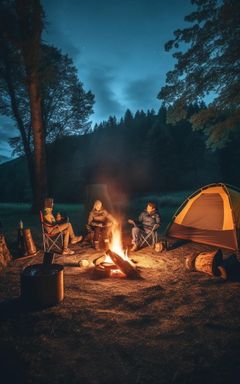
(124, 265)
(190, 262)
(209, 262)
(5, 256)
(30, 246)
(159, 247)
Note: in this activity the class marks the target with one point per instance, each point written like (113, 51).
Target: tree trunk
(30, 17)
(40, 176)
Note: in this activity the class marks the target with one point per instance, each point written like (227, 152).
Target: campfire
(115, 262)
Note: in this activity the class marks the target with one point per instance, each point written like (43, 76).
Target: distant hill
(3, 159)
(129, 165)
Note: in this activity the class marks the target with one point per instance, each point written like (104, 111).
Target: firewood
(30, 246)
(190, 262)
(209, 262)
(5, 256)
(124, 265)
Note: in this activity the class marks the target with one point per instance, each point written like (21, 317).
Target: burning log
(124, 265)
(105, 267)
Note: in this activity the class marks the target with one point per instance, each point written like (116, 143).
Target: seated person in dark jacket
(148, 220)
(100, 222)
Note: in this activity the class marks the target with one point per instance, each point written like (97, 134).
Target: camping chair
(49, 240)
(150, 238)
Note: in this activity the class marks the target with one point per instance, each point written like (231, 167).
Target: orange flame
(116, 241)
(116, 246)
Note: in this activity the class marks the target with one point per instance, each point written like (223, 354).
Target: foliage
(136, 156)
(207, 66)
(66, 106)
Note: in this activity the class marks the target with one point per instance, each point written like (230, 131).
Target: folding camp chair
(150, 238)
(50, 241)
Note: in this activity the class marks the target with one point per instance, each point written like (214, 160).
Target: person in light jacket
(56, 224)
(100, 222)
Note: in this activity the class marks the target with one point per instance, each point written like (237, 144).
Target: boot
(96, 245)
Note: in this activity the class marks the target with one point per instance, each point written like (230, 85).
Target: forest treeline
(140, 153)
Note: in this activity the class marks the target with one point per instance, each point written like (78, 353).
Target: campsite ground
(169, 326)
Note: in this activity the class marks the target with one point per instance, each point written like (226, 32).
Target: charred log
(124, 265)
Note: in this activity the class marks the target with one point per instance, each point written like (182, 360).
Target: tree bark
(5, 256)
(40, 185)
(31, 16)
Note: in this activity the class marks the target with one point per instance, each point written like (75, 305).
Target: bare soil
(169, 326)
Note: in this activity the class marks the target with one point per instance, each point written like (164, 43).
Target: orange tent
(211, 215)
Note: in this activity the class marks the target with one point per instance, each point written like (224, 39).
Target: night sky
(118, 48)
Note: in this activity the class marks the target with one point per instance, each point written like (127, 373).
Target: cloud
(62, 40)
(142, 93)
(103, 82)
(7, 130)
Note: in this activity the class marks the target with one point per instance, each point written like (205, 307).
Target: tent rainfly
(211, 215)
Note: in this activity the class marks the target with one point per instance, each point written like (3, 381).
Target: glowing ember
(108, 260)
(115, 262)
(117, 247)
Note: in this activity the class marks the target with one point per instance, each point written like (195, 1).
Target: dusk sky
(118, 48)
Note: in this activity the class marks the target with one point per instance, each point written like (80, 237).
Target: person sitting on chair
(100, 222)
(59, 224)
(148, 221)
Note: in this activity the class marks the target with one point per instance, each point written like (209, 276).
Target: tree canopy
(40, 89)
(66, 106)
(207, 66)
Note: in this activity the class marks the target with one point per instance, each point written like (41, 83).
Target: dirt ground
(169, 326)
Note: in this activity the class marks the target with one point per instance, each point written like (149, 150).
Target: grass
(12, 213)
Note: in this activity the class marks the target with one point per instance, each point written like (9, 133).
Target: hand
(130, 221)
(58, 216)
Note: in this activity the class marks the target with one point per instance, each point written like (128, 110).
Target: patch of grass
(163, 199)
(11, 214)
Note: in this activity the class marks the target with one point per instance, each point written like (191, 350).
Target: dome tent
(211, 216)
